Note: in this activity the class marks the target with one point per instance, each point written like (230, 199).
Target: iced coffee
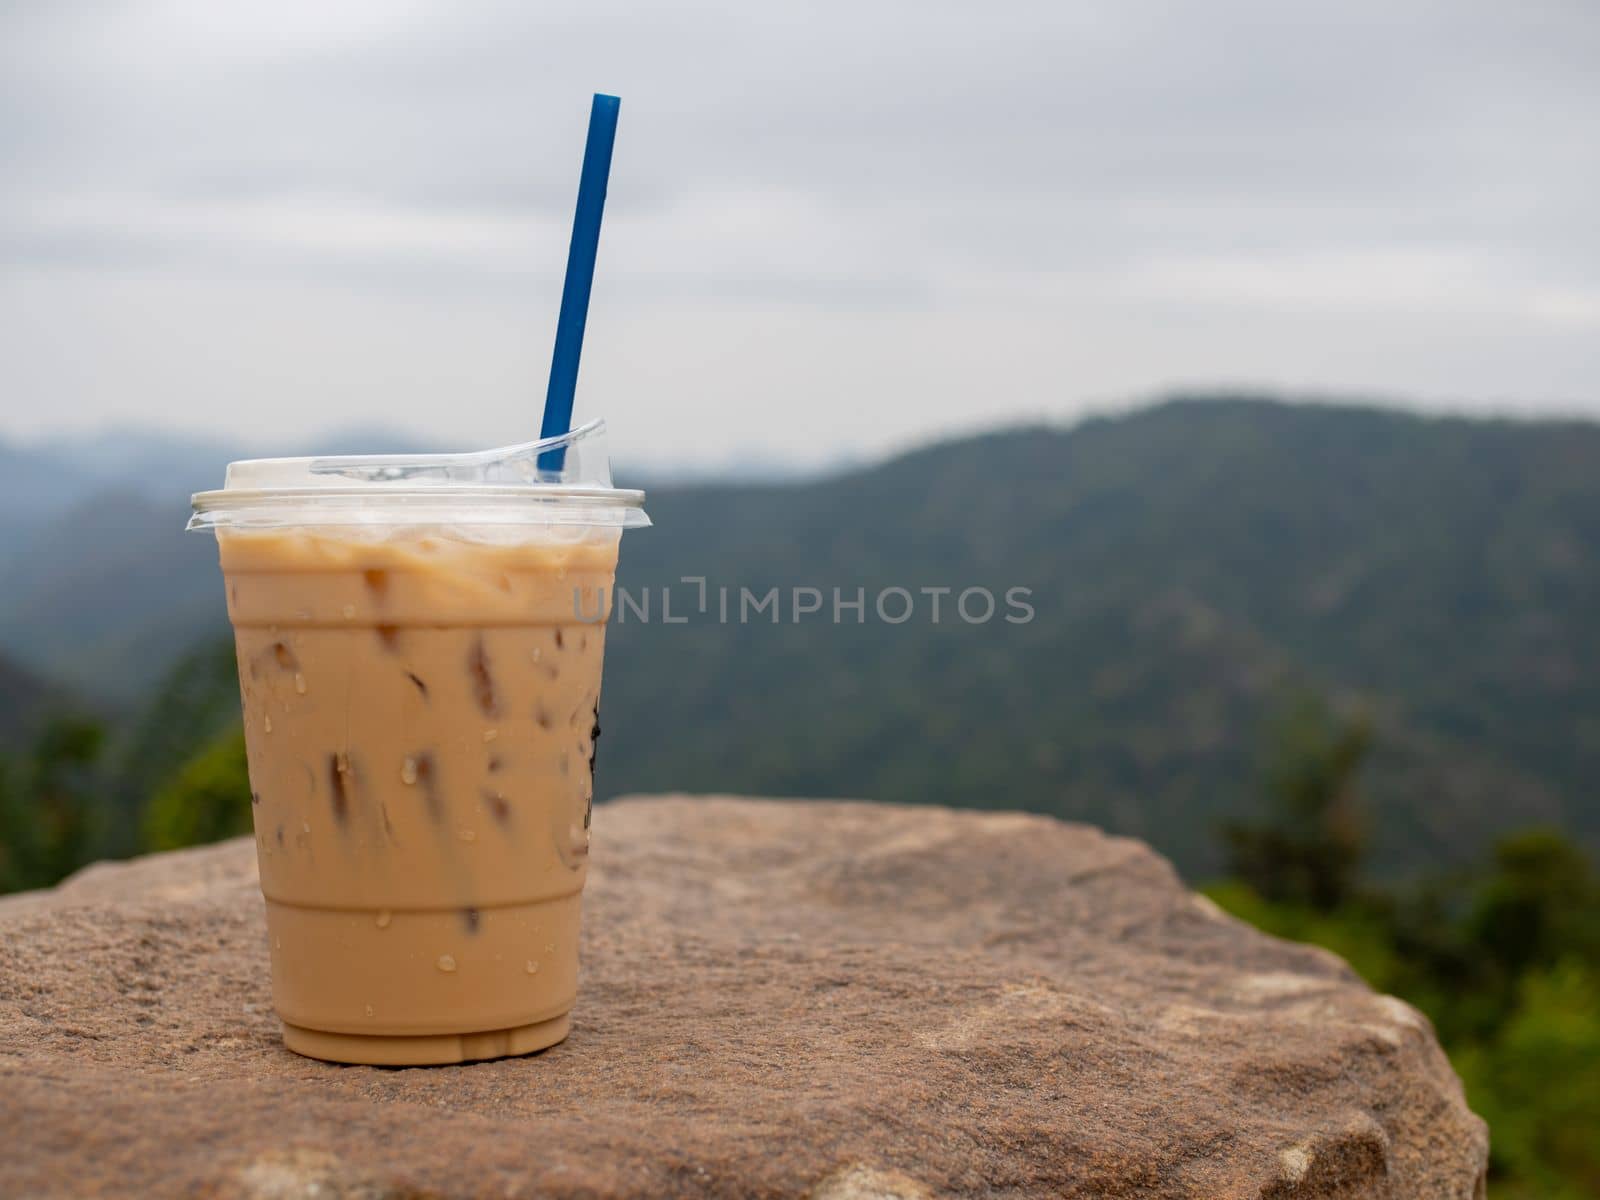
(421, 693)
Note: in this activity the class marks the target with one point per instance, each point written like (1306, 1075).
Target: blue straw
(580, 276)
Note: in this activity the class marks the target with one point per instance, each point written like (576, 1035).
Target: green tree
(206, 800)
(1537, 1083)
(1541, 903)
(196, 701)
(1308, 849)
(48, 803)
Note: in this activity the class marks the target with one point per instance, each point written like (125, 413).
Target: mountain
(42, 480)
(104, 589)
(34, 486)
(1191, 566)
(1190, 569)
(147, 460)
(26, 699)
(161, 463)
(105, 595)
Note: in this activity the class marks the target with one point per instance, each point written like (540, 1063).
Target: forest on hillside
(1189, 566)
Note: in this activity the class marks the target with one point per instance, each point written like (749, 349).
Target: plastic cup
(419, 644)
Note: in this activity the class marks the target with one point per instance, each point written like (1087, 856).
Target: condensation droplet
(549, 948)
(489, 735)
(467, 835)
(369, 1010)
(447, 963)
(278, 943)
(349, 612)
(300, 683)
(408, 771)
(305, 826)
(384, 917)
(533, 967)
(266, 723)
(537, 654)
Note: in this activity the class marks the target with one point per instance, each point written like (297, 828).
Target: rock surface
(779, 999)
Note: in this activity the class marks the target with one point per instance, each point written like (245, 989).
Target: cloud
(1088, 186)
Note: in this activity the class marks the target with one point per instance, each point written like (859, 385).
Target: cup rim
(546, 504)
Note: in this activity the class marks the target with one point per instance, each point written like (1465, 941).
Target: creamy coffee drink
(421, 709)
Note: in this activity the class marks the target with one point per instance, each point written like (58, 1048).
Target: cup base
(386, 1050)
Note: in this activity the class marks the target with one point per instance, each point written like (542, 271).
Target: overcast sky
(832, 227)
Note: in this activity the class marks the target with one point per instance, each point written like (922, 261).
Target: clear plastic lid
(562, 480)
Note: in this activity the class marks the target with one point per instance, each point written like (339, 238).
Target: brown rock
(779, 999)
